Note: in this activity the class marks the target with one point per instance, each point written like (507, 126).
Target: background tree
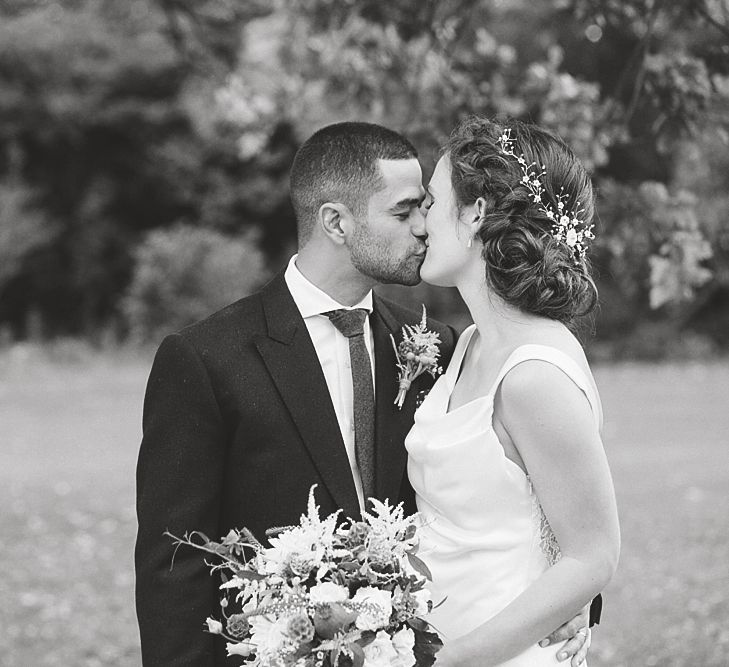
(104, 136)
(639, 90)
(117, 119)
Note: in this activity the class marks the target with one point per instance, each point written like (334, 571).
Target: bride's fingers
(567, 631)
(574, 647)
(578, 660)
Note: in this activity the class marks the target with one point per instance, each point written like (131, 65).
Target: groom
(247, 409)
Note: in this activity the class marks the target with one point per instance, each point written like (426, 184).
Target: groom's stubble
(379, 259)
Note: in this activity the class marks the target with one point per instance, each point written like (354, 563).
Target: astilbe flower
(417, 353)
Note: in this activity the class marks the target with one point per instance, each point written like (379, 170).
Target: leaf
(249, 574)
(366, 638)
(440, 603)
(419, 566)
(358, 656)
(205, 539)
(427, 644)
(410, 532)
(417, 623)
(251, 538)
(348, 566)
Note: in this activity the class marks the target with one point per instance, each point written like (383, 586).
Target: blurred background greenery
(145, 146)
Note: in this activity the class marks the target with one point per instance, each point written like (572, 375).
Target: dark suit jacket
(238, 424)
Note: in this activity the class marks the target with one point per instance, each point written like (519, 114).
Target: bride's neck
(498, 323)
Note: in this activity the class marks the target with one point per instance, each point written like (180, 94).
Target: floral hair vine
(566, 224)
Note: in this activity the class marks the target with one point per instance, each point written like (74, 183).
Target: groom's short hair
(339, 164)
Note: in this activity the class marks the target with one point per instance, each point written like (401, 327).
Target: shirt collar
(309, 299)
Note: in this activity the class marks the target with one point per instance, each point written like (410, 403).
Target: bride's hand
(577, 634)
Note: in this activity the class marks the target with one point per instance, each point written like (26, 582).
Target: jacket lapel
(291, 360)
(391, 424)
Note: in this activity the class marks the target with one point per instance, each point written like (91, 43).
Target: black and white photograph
(360, 333)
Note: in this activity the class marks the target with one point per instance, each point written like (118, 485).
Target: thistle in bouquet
(417, 353)
(323, 594)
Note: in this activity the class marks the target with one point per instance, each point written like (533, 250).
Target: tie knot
(349, 322)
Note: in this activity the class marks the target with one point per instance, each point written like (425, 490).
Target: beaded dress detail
(485, 536)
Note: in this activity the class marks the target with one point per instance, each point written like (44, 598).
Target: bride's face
(448, 252)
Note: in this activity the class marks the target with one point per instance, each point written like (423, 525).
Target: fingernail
(544, 642)
(561, 656)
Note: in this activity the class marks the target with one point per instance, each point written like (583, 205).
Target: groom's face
(388, 245)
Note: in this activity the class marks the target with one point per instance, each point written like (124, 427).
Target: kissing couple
(296, 385)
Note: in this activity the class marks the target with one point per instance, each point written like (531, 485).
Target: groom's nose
(417, 224)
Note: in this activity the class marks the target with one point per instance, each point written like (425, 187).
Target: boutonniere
(417, 353)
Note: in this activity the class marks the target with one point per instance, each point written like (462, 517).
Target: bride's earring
(470, 242)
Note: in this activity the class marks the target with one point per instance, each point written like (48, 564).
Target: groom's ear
(336, 222)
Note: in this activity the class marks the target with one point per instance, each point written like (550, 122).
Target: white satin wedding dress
(485, 537)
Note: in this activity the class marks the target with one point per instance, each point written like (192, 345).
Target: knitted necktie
(351, 324)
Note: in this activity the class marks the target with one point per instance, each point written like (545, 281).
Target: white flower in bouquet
(380, 652)
(403, 641)
(269, 637)
(214, 627)
(376, 608)
(422, 599)
(299, 549)
(295, 552)
(290, 605)
(243, 648)
(328, 592)
(390, 529)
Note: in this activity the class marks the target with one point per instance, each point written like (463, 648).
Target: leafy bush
(185, 273)
(24, 228)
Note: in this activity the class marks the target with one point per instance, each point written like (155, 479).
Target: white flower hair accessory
(566, 224)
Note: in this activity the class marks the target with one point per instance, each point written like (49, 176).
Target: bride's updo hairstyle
(525, 264)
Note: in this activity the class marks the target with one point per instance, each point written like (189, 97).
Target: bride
(521, 527)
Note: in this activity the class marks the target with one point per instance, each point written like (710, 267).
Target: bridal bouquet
(323, 595)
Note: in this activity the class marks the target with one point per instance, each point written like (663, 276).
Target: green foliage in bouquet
(325, 593)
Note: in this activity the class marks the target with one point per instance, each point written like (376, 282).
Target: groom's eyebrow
(410, 202)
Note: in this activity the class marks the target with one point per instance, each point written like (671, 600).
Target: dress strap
(454, 366)
(562, 361)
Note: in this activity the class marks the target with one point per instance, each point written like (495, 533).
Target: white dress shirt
(332, 349)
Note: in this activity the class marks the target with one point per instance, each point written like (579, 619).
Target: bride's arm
(550, 423)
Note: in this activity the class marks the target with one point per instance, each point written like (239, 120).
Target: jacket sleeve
(179, 489)
(596, 610)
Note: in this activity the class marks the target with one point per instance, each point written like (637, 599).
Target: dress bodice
(484, 536)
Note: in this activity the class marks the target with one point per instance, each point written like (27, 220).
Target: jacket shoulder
(232, 314)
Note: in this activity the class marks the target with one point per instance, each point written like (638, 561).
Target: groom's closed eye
(404, 208)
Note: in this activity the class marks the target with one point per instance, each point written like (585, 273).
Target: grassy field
(69, 426)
